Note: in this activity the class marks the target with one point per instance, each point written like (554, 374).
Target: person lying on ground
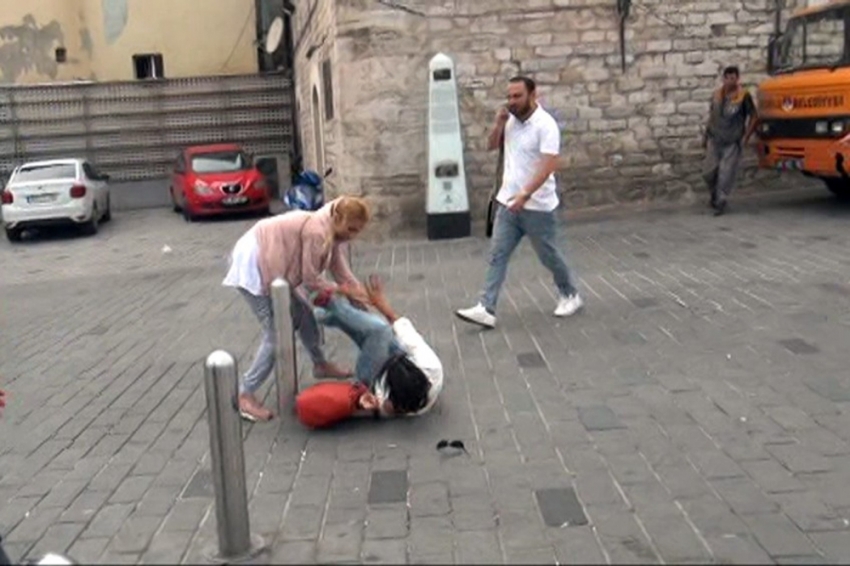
(397, 372)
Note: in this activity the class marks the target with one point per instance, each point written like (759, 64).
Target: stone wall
(628, 136)
(314, 30)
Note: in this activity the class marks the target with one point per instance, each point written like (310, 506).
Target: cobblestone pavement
(696, 411)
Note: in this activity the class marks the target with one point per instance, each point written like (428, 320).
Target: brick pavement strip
(697, 409)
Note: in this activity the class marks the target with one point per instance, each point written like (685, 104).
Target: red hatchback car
(217, 179)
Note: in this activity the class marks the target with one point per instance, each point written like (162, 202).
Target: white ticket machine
(447, 205)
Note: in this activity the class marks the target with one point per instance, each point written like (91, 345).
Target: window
(817, 40)
(149, 66)
(61, 55)
(46, 172)
(327, 86)
(318, 141)
(220, 162)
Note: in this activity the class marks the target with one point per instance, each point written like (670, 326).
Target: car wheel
(174, 206)
(187, 214)
(107, 216)
(14, 234)
(839, 187)
(90, 227)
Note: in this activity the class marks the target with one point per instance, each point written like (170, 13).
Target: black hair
(529, 83)
(407, 384)
(732, 70)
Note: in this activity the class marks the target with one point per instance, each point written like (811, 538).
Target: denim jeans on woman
(303, 322)
(542, 229)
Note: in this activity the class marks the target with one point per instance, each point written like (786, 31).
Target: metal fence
(134, 130)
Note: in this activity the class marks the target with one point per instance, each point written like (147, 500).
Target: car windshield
(812, 41)
(220, 162)
(46, 172)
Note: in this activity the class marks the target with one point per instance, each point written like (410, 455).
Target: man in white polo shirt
(526, 201)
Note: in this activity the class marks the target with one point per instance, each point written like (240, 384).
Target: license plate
(38, 199)
(232, 201)
(790, 164)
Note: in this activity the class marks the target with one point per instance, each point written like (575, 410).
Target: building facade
(51, 41)
(630, 134)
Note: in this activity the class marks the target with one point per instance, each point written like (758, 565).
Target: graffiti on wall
(29, 47)
(114, 19)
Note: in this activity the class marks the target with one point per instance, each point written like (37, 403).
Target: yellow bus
(804, 105)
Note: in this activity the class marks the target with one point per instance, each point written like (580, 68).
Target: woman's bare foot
(330, 370)
(251, 409)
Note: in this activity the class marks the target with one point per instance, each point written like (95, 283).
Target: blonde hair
(348, 209)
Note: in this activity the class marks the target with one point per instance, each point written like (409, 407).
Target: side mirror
(329, 172)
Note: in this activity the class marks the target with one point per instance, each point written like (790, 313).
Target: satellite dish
(274, 35)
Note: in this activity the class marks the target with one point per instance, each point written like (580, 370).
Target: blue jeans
(302, 321)
(508, 230)
(372, 334)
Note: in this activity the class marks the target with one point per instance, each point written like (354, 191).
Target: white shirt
(422, 356)
(525, 143)
(244, 269)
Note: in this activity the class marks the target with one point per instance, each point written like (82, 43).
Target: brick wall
(628, 136)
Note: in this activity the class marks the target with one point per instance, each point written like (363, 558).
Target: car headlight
(837, 127)
(821, 127)
(764, 128)
(202, 188)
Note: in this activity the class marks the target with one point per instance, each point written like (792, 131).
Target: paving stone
(340, 543)
(294, 552)
(772, 477)
(799, 346)
(88, 550)
(84, 507)
(477, 547)
(675, 541)
(599, 418)
(58, 538)
(108, 520)
(167, 547)
(798, 459)
(384, 552)
(388, 522)
(829, 388)
(131, 489)
(201, 485)
(388, 487)
(429, 499)
(580, 547)
(530, 360)
(834, 545)
(560, 507)
(779, 536)
(302, 522)
(809, 513)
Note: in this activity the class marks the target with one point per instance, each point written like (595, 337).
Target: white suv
(61, 191)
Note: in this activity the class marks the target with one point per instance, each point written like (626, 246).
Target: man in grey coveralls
(731, 122)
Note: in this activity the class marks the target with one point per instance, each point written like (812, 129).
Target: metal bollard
(286, 366)
(228, 461)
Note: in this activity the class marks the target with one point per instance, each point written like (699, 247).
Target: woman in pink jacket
(297, 246)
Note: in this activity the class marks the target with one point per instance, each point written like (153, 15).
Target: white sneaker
(477, 314)
(568, 306)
